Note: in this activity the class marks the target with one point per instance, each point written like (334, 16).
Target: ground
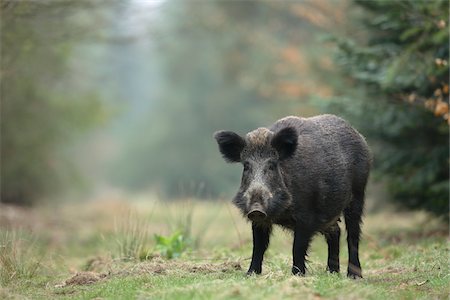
(106, 249)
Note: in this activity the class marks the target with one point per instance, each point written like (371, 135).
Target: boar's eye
(246, 166)
(272, 165)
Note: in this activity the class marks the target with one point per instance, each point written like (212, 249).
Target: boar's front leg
(261, 237)
(302, 238)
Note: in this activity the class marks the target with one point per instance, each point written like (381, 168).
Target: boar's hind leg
(332, 236)
(302, 238)
(261, 236)
(352, 216)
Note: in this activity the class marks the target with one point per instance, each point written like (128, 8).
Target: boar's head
(263, 194)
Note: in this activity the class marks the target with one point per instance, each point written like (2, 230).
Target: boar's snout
(257, 213)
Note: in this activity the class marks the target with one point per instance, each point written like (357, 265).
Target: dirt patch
(163, 267)
(83, 278)
(155, 268)
(214, 268)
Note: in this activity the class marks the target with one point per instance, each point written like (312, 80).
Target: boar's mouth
(257, 213)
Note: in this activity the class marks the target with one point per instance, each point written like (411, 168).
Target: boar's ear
(230, 145)
(285, 142)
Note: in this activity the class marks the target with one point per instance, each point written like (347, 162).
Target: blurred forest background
(124, 96)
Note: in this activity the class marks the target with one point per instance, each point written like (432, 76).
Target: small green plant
(18, 257)
(171, 246)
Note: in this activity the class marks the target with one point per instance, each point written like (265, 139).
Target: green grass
(403, 255)
(19, 256)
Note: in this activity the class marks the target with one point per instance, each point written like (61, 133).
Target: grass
(77, 251)
(131, 237)
(19, 257)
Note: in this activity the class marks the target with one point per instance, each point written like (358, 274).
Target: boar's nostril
(256, 215)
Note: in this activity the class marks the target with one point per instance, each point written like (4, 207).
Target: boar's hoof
(256, 215)
(354, 272)
(253, 272)
(354, 275)
(297, 271)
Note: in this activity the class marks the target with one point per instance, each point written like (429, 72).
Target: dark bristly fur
(301, 174)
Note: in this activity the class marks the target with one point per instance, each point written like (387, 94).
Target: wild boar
(301, 174)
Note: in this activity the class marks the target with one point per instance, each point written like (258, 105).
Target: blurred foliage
(40, 113)
(397, 95)
(171, 246)
(224, 65)
(175, 72)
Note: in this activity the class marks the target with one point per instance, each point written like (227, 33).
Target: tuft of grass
(179, 218)
(132, 238)
(18, 257)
